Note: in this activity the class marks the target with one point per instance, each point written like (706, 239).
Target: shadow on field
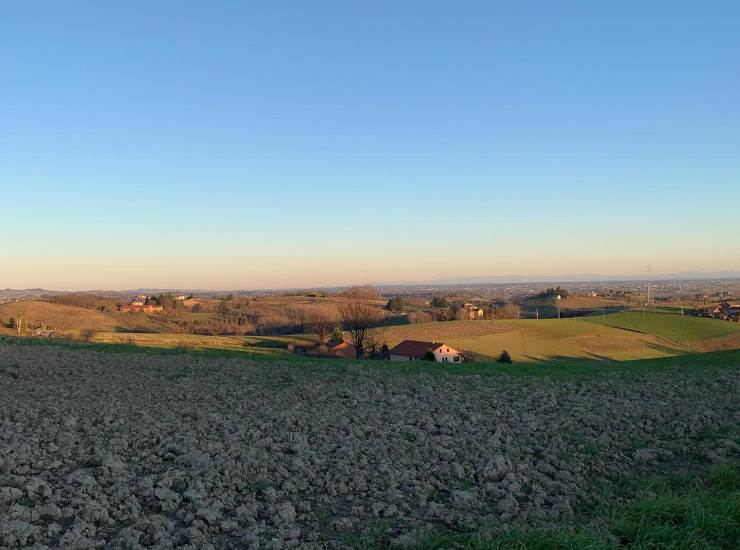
(262, 343)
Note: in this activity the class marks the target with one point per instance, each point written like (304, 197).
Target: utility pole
(603, 320)
(647, 304)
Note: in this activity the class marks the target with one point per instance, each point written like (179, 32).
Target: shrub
(337, 335)
(385, 351)
(504, 357)
(87, 334)
(420, 317)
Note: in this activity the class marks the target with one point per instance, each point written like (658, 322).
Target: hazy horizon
(290, 146)
(572, 278)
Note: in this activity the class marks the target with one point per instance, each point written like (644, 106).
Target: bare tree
(318, 322)
(359, 315)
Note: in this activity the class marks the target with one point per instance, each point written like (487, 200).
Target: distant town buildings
(726, 311)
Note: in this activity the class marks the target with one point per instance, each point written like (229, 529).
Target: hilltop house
(473, 311)
(140, 300)
(414, 350)
(142, 304)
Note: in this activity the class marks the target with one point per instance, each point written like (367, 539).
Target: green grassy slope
(543, 340)
(667, 325)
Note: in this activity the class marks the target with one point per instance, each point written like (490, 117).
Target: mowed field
(683, 329)
(438, 331)
(539, 340)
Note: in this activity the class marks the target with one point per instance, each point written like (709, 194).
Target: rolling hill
(73, 319)
(546, 339)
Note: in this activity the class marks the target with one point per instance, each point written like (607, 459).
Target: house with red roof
(344, 350)
(415, 350)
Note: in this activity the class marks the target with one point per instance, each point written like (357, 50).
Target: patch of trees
(233, 326)
(167, 300)
(420, 317)
(440, 301)
(86, 301)
(262, 319)
(395, 304)
(552, 293)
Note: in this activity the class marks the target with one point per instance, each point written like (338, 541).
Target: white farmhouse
(414, 350)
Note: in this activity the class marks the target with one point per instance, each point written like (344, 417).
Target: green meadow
(676, 327)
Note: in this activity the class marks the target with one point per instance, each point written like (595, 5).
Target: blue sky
(266, 144)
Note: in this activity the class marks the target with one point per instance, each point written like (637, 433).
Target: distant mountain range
(582, 277)
(479, 280)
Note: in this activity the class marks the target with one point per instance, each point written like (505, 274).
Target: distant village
(148, 305)
(725, 311)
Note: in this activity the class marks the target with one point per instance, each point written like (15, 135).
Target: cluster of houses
(148, 305)
(727, 312)
(473, 311)
(142, 304)
(408, 350)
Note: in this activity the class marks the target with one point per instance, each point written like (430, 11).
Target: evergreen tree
(395, 304)
(440, 301)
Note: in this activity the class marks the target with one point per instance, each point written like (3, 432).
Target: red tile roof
(414, 348)
(345, 349)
